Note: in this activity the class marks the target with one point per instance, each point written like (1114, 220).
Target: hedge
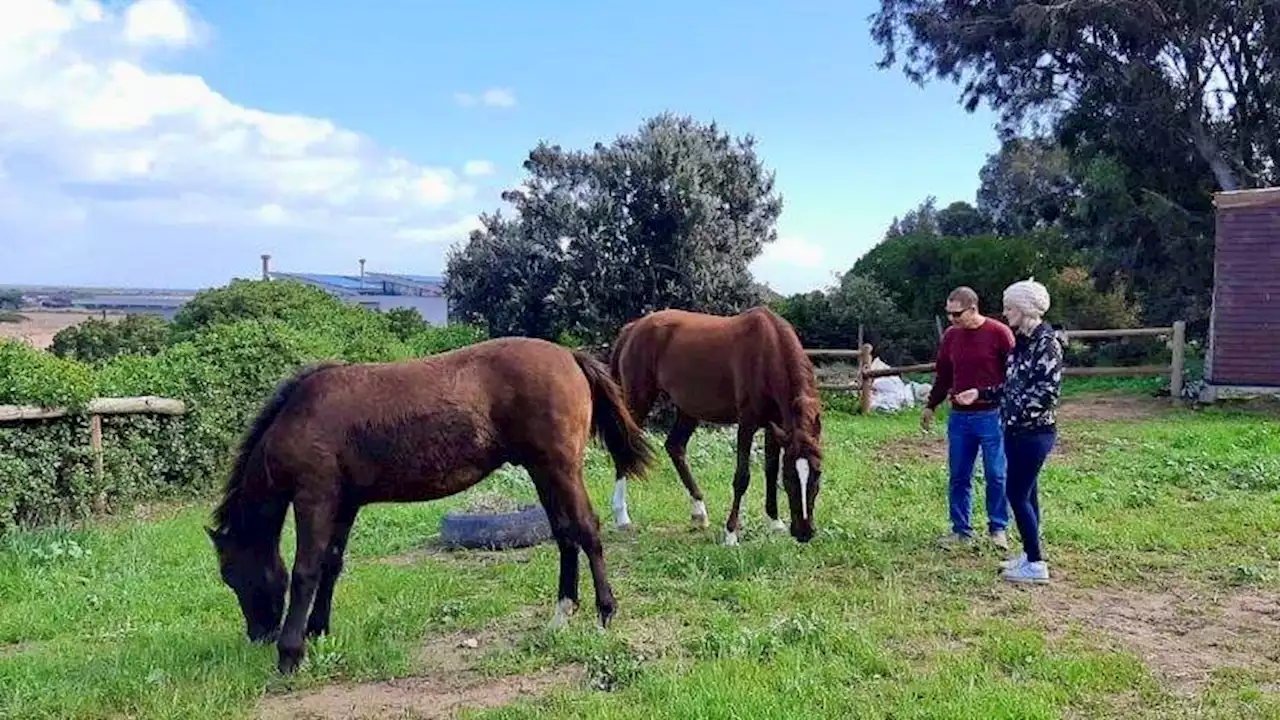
(222, 367)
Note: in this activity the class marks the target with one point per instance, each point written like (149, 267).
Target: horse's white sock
(699, 511)
(621, 518)
(564, 610)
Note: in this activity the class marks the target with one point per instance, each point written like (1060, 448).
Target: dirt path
(1182, 634)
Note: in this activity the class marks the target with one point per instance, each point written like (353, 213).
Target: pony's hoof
(606, 615)
(777, 525)
(289, 661)
(730, 538)
(565, 607)
(621, 519)
(698, 516)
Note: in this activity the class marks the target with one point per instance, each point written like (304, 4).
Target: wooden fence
(1174, 369)
(96, 408)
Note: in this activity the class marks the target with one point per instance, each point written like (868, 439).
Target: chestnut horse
(339, 436)
(748, 369)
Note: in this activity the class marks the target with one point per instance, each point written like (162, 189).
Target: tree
(960, 219)
(1027, 186)
(671, 216)
(918, 271)
(1213, 65)
(505, 279)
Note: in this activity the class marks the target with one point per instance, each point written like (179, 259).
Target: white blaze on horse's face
(802, 471)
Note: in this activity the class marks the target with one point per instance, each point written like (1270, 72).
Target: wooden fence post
(865, 384)
(95, 441)
(1179, 360)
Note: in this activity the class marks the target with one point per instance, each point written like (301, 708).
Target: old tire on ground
(495, 531)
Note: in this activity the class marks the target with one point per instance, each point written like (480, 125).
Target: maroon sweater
(970, 359)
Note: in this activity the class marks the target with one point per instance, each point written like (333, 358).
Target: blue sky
(166, 144)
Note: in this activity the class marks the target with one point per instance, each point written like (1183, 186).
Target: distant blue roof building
(382, 291)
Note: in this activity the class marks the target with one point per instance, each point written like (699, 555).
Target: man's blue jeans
(968, 432)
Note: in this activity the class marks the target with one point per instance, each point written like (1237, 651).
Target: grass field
(1162, 529)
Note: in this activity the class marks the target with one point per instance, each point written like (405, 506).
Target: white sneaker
(1027, 572)
(1014, 562)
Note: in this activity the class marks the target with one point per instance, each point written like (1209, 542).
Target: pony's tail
(243, 467)
(612, 421)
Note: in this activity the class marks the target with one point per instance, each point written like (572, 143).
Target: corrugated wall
(1245, 332)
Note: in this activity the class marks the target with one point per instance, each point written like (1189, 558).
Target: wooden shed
(1243, 356)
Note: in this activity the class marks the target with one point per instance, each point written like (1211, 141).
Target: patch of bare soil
(447, 684)
(418, 697)
(39, 326)
(1183, 635)
(1112, 407)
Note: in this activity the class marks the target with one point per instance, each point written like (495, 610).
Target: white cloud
(158, 21)
(792, 250)
(458, 230)
(99, 149)
(477, 168)
(493, 97)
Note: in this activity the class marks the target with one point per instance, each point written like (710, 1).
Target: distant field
(40, 326)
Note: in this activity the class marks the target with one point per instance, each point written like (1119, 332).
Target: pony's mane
(229, 515)
(805, 403)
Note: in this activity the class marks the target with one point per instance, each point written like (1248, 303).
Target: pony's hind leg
(575, 527)
(639, 402)
(741, 480)
(677, 446)
(772, 463)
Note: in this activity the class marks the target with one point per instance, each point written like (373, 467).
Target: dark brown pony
(748, 369)
(337, 437)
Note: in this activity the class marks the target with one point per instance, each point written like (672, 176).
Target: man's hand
(926, 419)
(967, 397)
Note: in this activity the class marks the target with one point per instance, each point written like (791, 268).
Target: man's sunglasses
(957, 313)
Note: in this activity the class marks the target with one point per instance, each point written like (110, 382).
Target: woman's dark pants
(1026, 452)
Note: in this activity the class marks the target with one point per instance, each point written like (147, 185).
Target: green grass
(127, 618)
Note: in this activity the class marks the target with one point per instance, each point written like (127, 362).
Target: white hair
(1028, 297)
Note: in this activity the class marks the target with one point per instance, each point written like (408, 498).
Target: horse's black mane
(225, 515)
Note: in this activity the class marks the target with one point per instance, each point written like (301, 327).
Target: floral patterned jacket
(1033, 382)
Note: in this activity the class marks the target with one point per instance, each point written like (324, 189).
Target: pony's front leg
(322, 609)
(772, 464)
(741, 481)
(315, 526)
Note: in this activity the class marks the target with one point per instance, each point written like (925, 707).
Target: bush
(227, 354)
(96, 340)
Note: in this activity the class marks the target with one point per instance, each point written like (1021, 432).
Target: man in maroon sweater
(972, 355)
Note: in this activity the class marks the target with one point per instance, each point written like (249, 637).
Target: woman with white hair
(1028, 397)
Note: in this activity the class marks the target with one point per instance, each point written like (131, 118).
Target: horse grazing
(750, 369)
(337, 437)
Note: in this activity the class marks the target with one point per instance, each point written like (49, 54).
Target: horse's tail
(244, 467)
(612, 421)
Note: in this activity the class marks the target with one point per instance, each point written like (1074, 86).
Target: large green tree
(670, 216)
(1207, 70)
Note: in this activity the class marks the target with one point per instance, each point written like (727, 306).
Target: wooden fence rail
(1177, 331)
(95, 409)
